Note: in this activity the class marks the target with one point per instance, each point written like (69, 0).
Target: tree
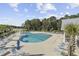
(52, 22)
(70, 16)
(66, 16)
(36, 24)
(5, 30)
(59, 24)
(47, 24)
(27, 24)
(71, 30)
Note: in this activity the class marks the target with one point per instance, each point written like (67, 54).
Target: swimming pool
(34, 37)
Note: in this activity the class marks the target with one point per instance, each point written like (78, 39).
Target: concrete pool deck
(47, 47)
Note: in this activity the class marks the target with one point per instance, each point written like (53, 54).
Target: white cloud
(61, 13)
(26, 10)
(39, 6)
(43, 11)
(73, 5)
(15, 9)
(44, 7)
(67, 13)
(14, 6)
(49, 7)
(68, 7)
(64, 13)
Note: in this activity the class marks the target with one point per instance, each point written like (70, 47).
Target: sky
(17, 13)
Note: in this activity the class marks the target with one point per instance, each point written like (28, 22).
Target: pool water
(34, 37)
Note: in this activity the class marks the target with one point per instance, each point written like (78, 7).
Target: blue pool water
(34, 37)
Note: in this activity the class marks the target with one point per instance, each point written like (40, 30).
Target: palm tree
(71, 30)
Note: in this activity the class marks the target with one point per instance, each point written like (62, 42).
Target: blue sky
(17, 13)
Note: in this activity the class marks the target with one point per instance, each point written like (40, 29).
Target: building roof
(69, 21)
